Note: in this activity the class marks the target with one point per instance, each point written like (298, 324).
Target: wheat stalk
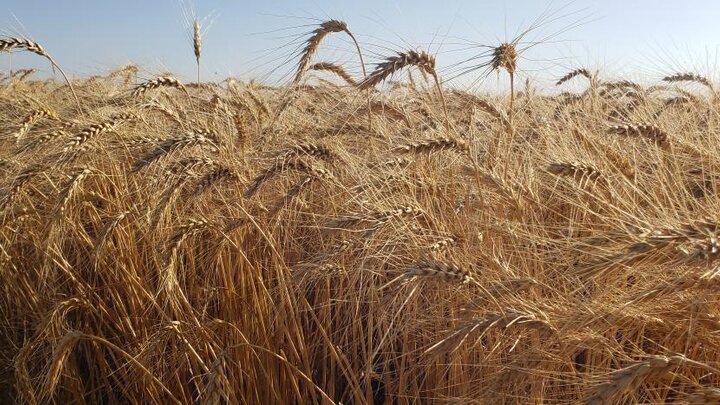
(704, 396)
(618, 160)
(312, 44)
(395, 162)
(108, 230)
(620, 85)
(128, 72)
(293, 192)
(707, 281)
(385, 109)
(218, 388)
(169, 283)
(165, 110)
(258, 102)
(376, 218)
(186, 165)
(442, 244)
(690, 243)
(8, 44)
(505, 57)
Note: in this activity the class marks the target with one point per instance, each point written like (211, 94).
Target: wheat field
(383, 239)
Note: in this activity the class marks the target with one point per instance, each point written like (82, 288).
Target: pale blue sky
(638, 39)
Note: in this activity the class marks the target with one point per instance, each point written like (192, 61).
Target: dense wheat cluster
(241, 243)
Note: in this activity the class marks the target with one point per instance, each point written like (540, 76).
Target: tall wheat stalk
(197, 45)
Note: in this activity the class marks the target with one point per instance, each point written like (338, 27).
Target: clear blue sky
(638, 39)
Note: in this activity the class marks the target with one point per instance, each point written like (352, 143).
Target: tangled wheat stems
(174, 248)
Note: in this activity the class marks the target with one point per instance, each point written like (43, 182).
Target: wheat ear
(649, 131)
(442, 143)
(195, 137)
(629, 378)
(505, 56)
(30, 120)
(420, 59)
(577, 72)
(689, 77)
(197, 45)
(441, 270)
(163, 81)
(336, 69)
(582, 173)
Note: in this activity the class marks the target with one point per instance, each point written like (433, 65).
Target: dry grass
(224, 245)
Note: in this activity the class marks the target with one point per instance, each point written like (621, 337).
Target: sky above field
(638, 40)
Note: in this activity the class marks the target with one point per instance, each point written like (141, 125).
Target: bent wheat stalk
(313, 43)
(10, 43)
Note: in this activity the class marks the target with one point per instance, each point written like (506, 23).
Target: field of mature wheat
(358, 241)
